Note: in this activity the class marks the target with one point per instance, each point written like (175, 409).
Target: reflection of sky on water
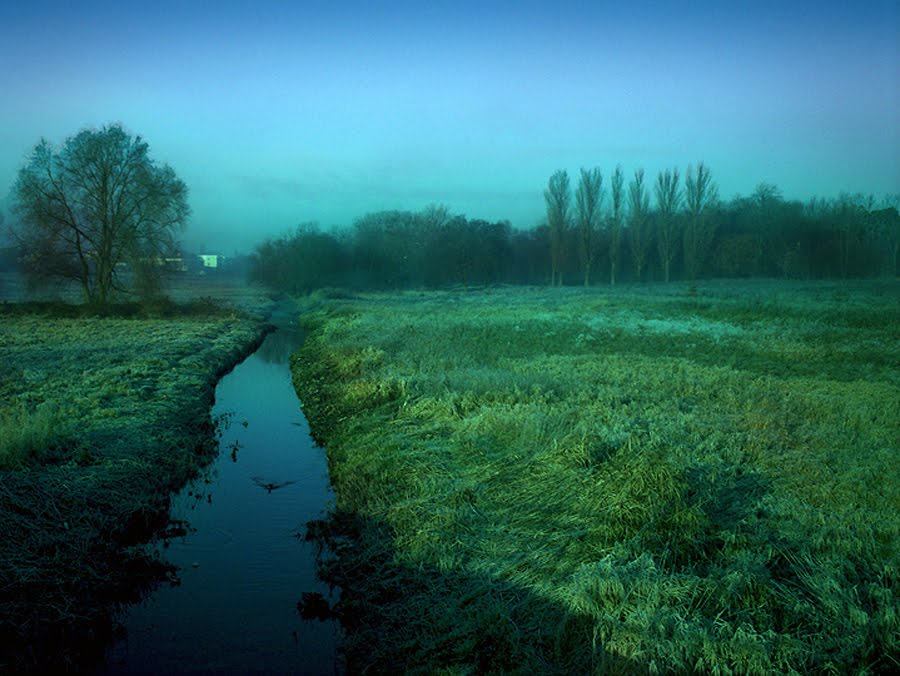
(242, 569)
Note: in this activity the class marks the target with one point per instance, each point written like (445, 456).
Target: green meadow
(645, 480)
(101, 417)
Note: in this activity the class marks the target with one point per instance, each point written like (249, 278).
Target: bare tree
(615, 223)
(848, 219)
(558, 197)
(765, 206)
(638, 232)
(766, 194)
(588, 200)
(95, 207)
(668, 199)
(887, 221)
(435, 216)
(389, 248)
(701, 195)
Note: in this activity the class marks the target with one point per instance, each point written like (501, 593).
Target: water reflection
(278, 346)
(242, 568)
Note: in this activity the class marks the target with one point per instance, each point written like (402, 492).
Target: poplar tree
(668, 199)
(638, 232)
(615, 223)
(558, 196)
(701, 196)
(588, 200)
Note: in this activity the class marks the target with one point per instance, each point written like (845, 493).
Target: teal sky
(276, 113)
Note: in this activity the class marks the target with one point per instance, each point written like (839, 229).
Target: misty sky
(276, 113)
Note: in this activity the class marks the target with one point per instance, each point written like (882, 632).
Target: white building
(211, 260)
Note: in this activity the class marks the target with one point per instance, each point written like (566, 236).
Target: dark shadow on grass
(70, 560)
(402, 618)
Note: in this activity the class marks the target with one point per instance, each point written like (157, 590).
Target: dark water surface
(242, 568)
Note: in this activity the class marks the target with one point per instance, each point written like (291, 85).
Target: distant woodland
(605, 229)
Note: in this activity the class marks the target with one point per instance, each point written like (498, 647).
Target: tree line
(99, 211)
(604, 230)
(397, 250)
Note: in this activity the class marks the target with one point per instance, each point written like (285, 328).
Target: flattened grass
(654, 482)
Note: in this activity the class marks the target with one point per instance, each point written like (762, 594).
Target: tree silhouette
(668, 199)
(887, 224)
(615, 223)
(557, 196)
(638, 232)
(98, 211)
(588, 199)
(700, 195)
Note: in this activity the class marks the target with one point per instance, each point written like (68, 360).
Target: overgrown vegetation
(567, 481)
(101, 417)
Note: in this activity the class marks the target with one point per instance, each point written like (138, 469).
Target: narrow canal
(242, 567)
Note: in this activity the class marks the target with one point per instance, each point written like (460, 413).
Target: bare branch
(558, 197)
(588, 200)
(98, 202)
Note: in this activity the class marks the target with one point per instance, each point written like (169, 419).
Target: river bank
(102, 417)
(649, 479)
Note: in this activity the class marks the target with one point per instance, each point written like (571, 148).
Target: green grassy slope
(566, 480)
(100, 418)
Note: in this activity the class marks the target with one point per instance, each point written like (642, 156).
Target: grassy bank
(652, 480)
(100, 418)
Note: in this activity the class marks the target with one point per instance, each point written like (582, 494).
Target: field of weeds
(100, 418)
(645, 480)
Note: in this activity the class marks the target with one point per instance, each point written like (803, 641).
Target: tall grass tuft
(28, 435)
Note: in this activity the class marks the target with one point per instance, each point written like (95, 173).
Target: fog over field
(449, 337)
(279, 113)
